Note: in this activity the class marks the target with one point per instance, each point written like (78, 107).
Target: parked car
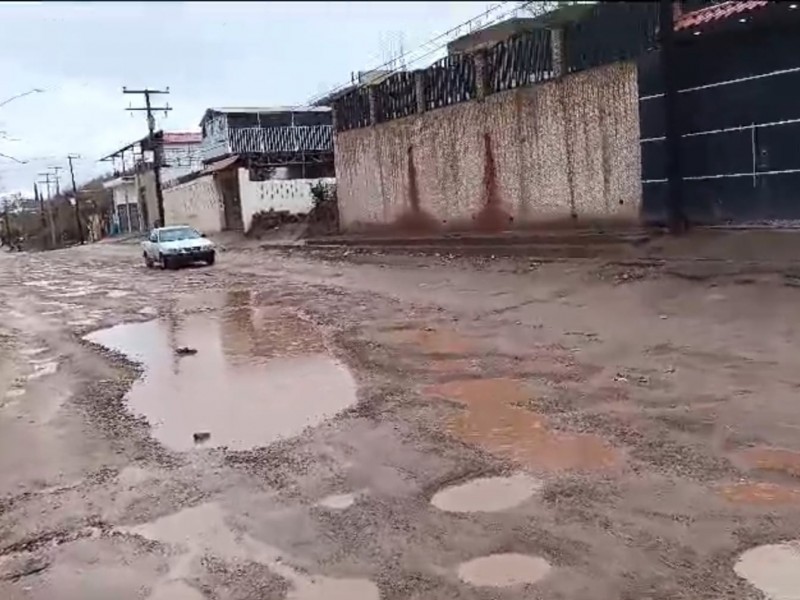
(175, 246)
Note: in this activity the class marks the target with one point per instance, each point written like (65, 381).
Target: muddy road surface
(282, 426)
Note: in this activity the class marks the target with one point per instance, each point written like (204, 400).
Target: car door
(152, 245)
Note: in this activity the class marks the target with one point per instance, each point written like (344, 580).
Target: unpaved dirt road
(398, 428)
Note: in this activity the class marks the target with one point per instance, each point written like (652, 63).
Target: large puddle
(258, 375)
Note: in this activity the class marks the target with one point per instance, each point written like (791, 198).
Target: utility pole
(57, 178)
(40, 200)
(7, 233)
(46, 182)
(156, 148)
(70, 158)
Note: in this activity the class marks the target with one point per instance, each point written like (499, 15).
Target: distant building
(134, 187)
(269, 135)
(256, 160)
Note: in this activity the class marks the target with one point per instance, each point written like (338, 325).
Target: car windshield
(181, 233)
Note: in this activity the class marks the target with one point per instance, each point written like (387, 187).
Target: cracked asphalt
(656, 413)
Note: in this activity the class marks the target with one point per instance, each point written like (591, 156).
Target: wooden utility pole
(57, 178)
(155, 147)
(40, 200)
(70, 158)
(46, 182)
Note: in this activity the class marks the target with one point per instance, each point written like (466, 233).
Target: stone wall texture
(565, 151)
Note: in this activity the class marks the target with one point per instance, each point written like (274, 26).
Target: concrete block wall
(196, 203)
(292, 195)
(562, 151)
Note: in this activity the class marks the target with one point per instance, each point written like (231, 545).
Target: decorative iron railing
(607, 33)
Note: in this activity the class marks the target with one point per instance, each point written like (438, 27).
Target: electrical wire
(446, 35)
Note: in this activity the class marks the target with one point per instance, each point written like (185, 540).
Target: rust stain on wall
(538, 155)
(414, 220)
(491, 217)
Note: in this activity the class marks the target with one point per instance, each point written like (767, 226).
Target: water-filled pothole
(202, 530)
(257, 376)
(773, 569)
(487, 494)
(338, 501)
(493, 419)
(503, 570)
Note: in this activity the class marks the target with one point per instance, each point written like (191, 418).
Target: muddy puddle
(503, 570)
(254, 375)
(487, 494)
(203, 530)
(492, 417)
(773, 569)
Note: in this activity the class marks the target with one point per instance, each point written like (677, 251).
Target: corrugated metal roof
(270, 109)
(220, 164)
(717, 12)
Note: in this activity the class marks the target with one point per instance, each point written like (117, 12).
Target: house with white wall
(255, 160)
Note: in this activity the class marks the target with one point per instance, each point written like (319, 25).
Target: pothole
(202, 530)
(249, 378)
(773, 459)
(492, 419)
(433, 341)
(503, 570)
(773, 569)
(338, 501)
(488, 494)
(760, 493)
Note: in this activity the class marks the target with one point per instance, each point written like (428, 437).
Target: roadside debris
(185, 351)
(201, 436)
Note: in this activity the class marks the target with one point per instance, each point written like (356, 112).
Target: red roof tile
(717, 12)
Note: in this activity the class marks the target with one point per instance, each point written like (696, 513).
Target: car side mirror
(202, 235)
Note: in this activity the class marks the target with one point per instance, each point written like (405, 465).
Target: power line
(447, 34)
(156, 148)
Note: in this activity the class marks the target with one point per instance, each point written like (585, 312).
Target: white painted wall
(196, 203)
(292, 195)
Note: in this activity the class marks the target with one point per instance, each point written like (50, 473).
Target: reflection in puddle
(773, 569)
(490, 419)
(202, 530)
(487, 494)
(258, 376)
(503, 570)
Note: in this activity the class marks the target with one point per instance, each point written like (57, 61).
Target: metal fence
(522, 60)
(609, 32)
(395, 97)
(449, 81)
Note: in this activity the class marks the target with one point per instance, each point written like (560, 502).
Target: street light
(22, 95)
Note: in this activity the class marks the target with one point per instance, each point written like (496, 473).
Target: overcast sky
(209, 54)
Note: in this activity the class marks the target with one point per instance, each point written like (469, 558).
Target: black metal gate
(739, 116)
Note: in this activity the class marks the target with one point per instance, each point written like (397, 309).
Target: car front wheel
(210, 258)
